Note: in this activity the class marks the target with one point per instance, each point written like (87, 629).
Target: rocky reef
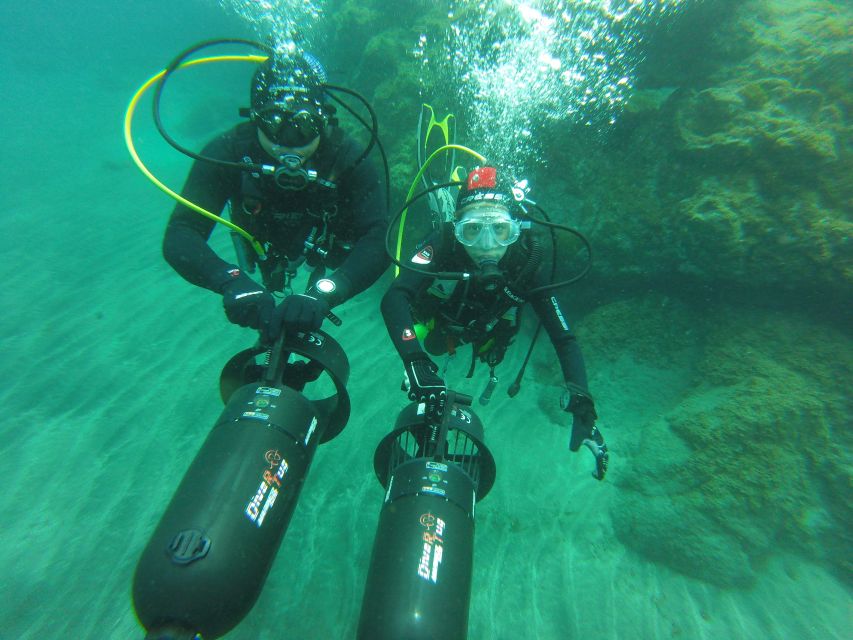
(765, 462)
(731, 165)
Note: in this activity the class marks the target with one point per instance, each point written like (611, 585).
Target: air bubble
(515, 66)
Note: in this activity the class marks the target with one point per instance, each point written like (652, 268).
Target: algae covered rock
(755, 458)
(771, 141)
(741, 176)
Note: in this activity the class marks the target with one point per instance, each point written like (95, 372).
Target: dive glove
(579, 403)
(246, 302)
(425, 385)
(297, 312)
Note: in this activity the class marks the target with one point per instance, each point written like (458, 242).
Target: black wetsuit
(464, 313)
(352, 213)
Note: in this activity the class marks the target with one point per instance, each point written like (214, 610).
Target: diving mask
(487, 228)
(288, 128)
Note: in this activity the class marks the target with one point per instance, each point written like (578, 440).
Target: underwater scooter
(207, 560)
(419, 583)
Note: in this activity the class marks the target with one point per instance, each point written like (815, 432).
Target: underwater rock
(770, 144)
(739, 178)
(750, 455)
(783, 130)
(669, 531)
(648, 99)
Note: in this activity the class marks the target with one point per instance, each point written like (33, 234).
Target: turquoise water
(716, 324)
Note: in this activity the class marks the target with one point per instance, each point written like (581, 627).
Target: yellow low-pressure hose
(414, 186)
(128, 139)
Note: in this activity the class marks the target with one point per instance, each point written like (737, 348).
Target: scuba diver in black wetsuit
(489, 239)
(322, 206)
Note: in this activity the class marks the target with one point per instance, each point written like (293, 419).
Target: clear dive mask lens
(487, 230)
(288, 128)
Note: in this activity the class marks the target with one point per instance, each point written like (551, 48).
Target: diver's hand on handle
(423, 384)
(579, 403)
(246, 303)
(297, 312)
